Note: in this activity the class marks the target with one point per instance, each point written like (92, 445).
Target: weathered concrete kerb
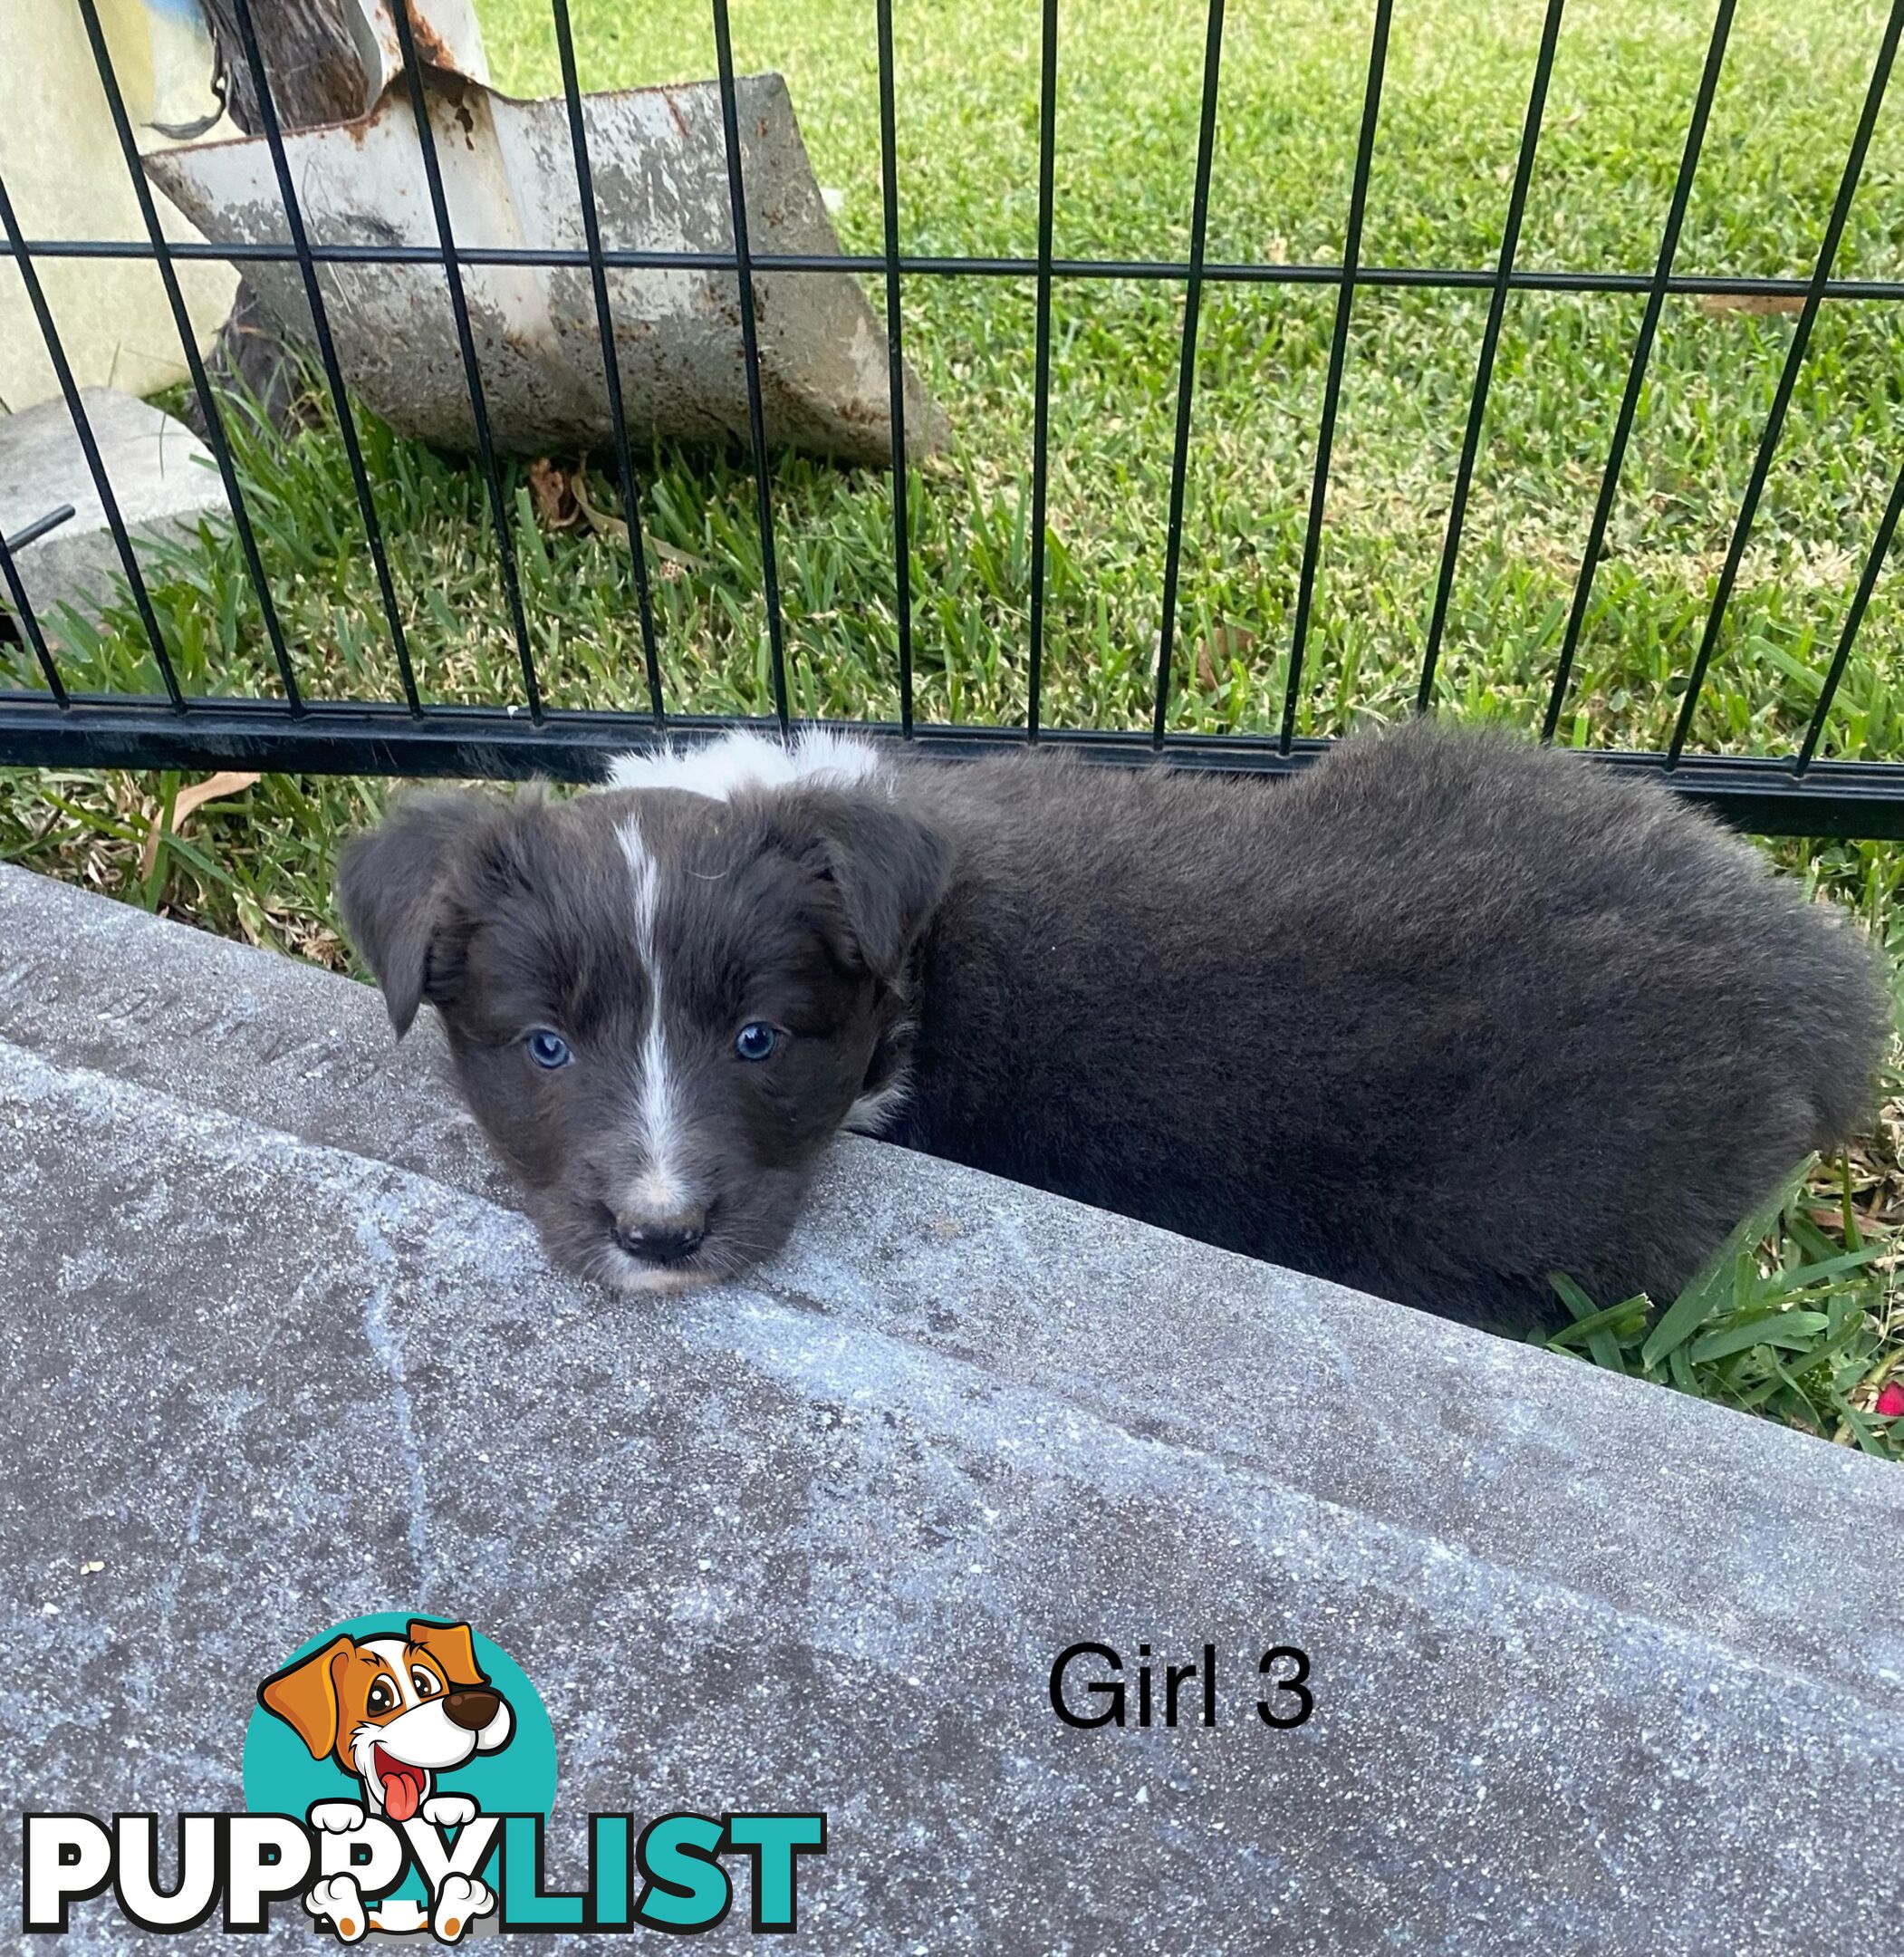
(1597, 1668)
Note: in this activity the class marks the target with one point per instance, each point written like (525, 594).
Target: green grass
(1784, 1320)
(1127, 122)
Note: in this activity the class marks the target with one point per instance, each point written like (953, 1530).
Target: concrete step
(163, 479)
(1597, 1668)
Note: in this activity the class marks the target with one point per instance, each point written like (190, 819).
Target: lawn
(1130, 80)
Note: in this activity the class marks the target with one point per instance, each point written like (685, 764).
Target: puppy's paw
(335, 1817)
(338, 1901)
(449, 1810)
(458, 1901)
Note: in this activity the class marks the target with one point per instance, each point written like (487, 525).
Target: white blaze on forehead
(396, 1654)
(748, 760)
(659, 1192)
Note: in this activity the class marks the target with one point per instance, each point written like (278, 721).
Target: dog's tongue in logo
(403, 1786)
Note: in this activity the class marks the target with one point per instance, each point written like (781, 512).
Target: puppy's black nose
(661, 1241)
(471, 1707)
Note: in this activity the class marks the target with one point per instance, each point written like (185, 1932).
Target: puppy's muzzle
(661, 1241)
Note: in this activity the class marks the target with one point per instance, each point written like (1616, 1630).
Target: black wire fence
(1795, 793)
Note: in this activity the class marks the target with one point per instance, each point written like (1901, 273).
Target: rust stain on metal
(432, 50)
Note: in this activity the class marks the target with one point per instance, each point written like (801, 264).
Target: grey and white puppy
(1446, 1014)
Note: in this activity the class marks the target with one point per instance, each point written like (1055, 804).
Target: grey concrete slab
(162, 477)
(1598, 1668)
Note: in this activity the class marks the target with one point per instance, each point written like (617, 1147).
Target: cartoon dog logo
(394, 1712)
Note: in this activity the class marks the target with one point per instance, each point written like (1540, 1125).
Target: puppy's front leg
(449, 1810)
(459, 1900)
(338, 1901)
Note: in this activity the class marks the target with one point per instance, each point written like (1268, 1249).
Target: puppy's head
(660, 1004)
(393, 1710)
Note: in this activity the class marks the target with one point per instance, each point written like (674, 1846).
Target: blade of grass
(1697, 1302)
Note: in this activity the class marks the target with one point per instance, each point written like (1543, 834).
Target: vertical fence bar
(214, 434)
(1643, 353)
(610, 362)
(1490, 346)
(750, 355)
(1041, 356)
(1338, 357)
(89, 448)
(895, 364)
(1186, 369)
(326, 348)
(1788, 377)
(1853, 619)
(472, 372)
(23, 611)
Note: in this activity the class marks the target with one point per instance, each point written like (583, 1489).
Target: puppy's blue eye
(549, 1049)
(756, 1040)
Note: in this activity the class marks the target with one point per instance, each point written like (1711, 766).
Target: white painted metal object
(509, 178)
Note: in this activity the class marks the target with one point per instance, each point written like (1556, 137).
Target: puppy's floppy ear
(304, 1696)
(890, 868)
(453, 1648)
(392, 888)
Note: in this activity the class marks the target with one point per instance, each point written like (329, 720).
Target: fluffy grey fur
(1445, 1014)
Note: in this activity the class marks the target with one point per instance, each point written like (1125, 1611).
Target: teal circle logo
(391, 1712)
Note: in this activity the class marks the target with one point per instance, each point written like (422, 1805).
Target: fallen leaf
(669, 553)
(613, 527)
(194, 796)
(1225, 642)
(598, 519)
(551, 490)
(1717, 304)
(214, 788)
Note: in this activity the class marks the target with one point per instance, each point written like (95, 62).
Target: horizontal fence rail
(65, 725)
(1159, 270)
(1769, 796)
